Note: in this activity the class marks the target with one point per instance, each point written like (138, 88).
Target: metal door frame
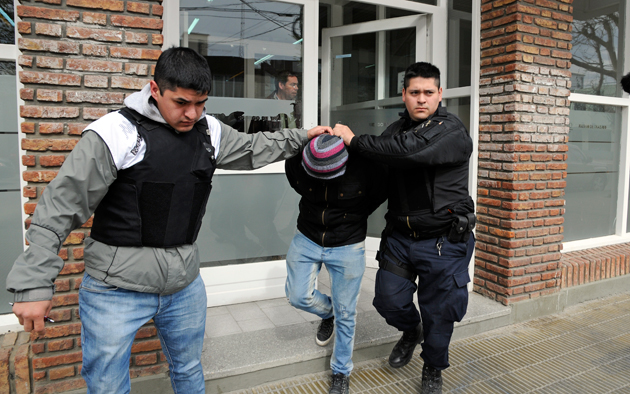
(424, 44)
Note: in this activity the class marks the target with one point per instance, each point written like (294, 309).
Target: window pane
(355, 12)
(9, 163)
(249, 218)
(592, 171)
(459, 45)
(254, 51)
(461, 108)
(401, 52)
(11, 242)
(595, 66)
(353, 71)
(9, 149)
(7, 22)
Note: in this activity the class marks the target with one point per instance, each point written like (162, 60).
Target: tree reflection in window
(595, 65)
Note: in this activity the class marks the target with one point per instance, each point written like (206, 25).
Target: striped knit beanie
(325, 157)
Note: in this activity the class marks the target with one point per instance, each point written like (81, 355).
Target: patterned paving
(585, 349)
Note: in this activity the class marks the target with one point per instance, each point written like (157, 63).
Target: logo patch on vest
(135, 149)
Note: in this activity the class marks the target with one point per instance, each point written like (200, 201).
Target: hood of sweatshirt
(144, 104)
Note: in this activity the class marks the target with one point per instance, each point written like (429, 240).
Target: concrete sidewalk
(585, 349)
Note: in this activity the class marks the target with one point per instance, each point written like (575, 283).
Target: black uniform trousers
(442, 269)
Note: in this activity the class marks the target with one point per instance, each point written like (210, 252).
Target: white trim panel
(10, 323)
(606, 100)
(238, 283)
(8, 52)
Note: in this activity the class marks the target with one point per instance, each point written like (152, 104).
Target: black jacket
(428, 171)
(334, 212)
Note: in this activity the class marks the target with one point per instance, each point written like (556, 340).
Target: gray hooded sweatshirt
(110, 144)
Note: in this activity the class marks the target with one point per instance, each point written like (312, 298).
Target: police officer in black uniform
(427, 244)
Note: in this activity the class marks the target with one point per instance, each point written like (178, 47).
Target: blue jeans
(346, 265)
(110, 318)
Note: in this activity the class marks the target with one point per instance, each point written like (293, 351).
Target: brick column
(80, 59)
(523, 135)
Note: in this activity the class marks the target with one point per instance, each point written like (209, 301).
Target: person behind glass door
(286, 86)
(145, 172)
(287, 89)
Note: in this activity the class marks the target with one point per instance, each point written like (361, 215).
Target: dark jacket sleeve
(291, 168)
(445, 143)
(378, 186)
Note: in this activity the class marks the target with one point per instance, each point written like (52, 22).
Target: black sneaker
(325, 331)
(431, 380)
(340, 384)
(403, 351)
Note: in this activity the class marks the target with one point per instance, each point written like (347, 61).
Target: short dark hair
(180, 67)
(283, 77)
(424, 70)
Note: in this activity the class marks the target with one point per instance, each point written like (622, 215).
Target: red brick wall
(523, 135)
(586, 266)
(15, 374)
(80, 59)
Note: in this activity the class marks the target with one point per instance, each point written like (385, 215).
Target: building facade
(535, 81)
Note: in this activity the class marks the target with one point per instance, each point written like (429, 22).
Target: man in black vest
(146, 172)
(429, 222)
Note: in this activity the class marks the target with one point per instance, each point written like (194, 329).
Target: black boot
(403, 351)
(431, 380)
(340, 384)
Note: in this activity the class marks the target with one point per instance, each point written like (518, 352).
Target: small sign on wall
(401, 81)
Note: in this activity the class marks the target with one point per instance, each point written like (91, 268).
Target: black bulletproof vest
(160, 201)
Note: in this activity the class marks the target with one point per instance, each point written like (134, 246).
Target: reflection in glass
(249, 218)
(11, 241)
(7, 68)
(461, 108)
(595, 65)
(255, 52)
(401, 52)
(356, 12)
(9, 162)
(459, 44)
(353, 69)
(592, 171)
(9, 146)
(7, 22)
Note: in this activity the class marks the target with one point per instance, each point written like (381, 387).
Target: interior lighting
(7, 17)
(262, 59)
(193, 24)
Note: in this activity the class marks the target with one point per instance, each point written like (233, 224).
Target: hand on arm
(317, 130)
(344, 132)
(31, 314)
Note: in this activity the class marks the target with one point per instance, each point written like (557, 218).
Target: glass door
(362, 69)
